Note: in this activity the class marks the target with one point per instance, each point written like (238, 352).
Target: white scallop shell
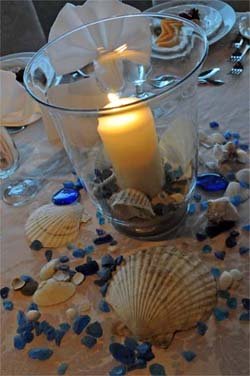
(243, 176)
(130, 203)
(53, 225)
(53, 292)
(225, 280)
(220, 210)
(161, 290)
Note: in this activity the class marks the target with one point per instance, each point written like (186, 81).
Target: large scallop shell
(54, 226)
(161, 290)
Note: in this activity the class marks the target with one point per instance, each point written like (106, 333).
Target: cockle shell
(53, 292)
(130, 203)
(53, 225)
(220, 210)
(162, 290)
(243, 175)
(49, 269)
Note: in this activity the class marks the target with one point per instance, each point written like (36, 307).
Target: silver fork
(237, 55)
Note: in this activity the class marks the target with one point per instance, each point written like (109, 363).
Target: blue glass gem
(41, 353)
(89, 249)
(244, 147)
(235, 135)
(28, 336)
(118, 371)
(65, 196)
(4, 292)
(157, 370)
(188, 355)
(79, 253)
(65, 326)
(191, 209)
(207, 249)
(8, 305)
(232, 302)
(246, 227)
(104, 289)
(21, 318)
(103, 239)
(101, 221)
(59, 334)
(220, 255)
(105, 274)
(88, 341)
(19, 342)
(227, 135)
(243, 250)
(245, 316)
(131, 343)
(211, 182)
(203, 205)
(197, 197)
(215, 272)
(80, 323)
(89, 268)
(62, 368)
(246, 303)
(95, 329)
(230, 242)
(122, 353)
(107, 260)
(236, 141)
(201, 328)
(220, 314)
(103, 306)
(214, 124)
(235, 200)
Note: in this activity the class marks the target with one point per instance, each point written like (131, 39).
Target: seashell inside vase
(54, 226)
(221, 210)
(130, 203)
(160, 291)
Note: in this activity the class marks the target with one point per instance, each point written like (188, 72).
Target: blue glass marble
(244, 316)
(220, 314)
(232, 302)
(246, 227)
(246, 303)
(243, 250)
(191, 209)
(211, 182)
(65, 196)
(214, 124)
(235, 200)
(215, 272)
(188, 355)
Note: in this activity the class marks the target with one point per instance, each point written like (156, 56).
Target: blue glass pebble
(88, 341)
(118, 371)
(104, 289)
(197, 197)
(21, 318)
(26, 278)
(227, 135)
(103, 239)
(157, 370)
(246, 227)
(100, 231)
(64, 326)
(59, 334)
(200, 236)
(191, 209)
(105, 274)
(203, 205)
(65, 196)
(188, 355)
(19, 342)
(107, 260)
(235, 135)
(131, 343)
(214, 124)
(220, 314)
(28, 336)
(246, 303)
(98, 214)
(245, 316)
(80, 323)
(8, 305)
(37, 328)
(122, 353)
(69, 184)
(232, 302)
(101, 221)
(64, 259)
(103, 306)
(207, 249)
(4, 292)
(32, 307)
(119, 260)
(144, 348)
(89, 268)
(211, 182)
(36, 245)
(70, 246)
(95, 329)
(89, 249)
(236, 141)
(62, 368)
(223, 294)
(244, 147)
(235, 200)
(79, 253)
(215, 272)
(230, 241)
(201, 328)
(40, 353)
(220, 255)
(244, 185)
(50, 335)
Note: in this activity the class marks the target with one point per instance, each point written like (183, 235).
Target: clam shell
(17, 283)
(220, 210)
(242, 156)
(130, 203)
(161, 290)
(53, 225)
(53, 292)
(49, 269)
(243, 175)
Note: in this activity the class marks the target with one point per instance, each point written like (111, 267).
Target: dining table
(224, 349)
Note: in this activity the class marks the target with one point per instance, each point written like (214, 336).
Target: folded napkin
(17, 107)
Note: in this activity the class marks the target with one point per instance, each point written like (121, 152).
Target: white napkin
(17, 107)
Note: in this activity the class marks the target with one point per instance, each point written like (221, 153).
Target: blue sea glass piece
(188, 355)
(41, 353)
(244, 316)
(232, 302)
(122, 353)
(211, 182)
(243, 250)
(215, 272)
(220, 314)
(214, 124)
(201, 328)
(65, 196)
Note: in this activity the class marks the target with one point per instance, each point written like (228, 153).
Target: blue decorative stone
(89, 249)
(59, 334)
(64, 259)
(105, 274)
(8, 305)
(101, 221)
(220, 314)
(214, 124)
(236, 200)
(230, 242)
(95, 329)
(103, 306)
(79, 253)
(131, 343)
(235, 135)
(201, 328)
(21, 318)
(32, 307)
(157, 370)
(207, 249)
(104, 289)
(107, 260)
(223, 294)
(19, 342)
(246, 303)
(191, 208)
(118, 371)
(40, 353)
(98, 214)
(144, 351)
(88, 341)
(4, 292)
(188, 355)
(245, 316)
(50, 334)
(62, 368)
(215, 272)
(203, 205)
(80, 323)
(246, 227)
(244, 147)
(27, 336)
(119, 260)
(235, 141)
(122, 353)
(232, 303)
(65, 196)
(227, 135)
(89, 268)
(220, 255)
(211, 182)
(103, 239)
(36, 245)
(26, 278)
(197, 197)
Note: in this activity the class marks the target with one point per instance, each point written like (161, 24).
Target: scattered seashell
(78, 278)
(61, 276)
(54, 226)
(33, 315)
(17, 283)
(236, 274)
(243, 176)
(225, 280)
(162, 290)
(130, 203)
(217, 138)
(242, 156)
(53, 292)
(71, 313)
(49, 269)
(221, 210)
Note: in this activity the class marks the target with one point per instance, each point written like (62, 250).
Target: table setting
(125, 194)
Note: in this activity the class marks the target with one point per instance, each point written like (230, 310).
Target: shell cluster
(221, 210)
(161, 290)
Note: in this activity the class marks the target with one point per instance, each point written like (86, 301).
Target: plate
(226, 11)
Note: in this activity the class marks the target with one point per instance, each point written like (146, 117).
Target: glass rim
(104, 111)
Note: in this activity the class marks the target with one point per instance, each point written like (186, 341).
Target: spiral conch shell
(130, 203)
(161, 290)
(53, 225)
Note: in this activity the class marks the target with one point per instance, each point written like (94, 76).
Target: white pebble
(33, 315)
(225, 280)
(236, 274)
(71, 313)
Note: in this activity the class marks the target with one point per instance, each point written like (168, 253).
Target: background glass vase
(9, 156)
(136, 151)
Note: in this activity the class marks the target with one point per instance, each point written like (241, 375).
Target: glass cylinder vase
(122, 95)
